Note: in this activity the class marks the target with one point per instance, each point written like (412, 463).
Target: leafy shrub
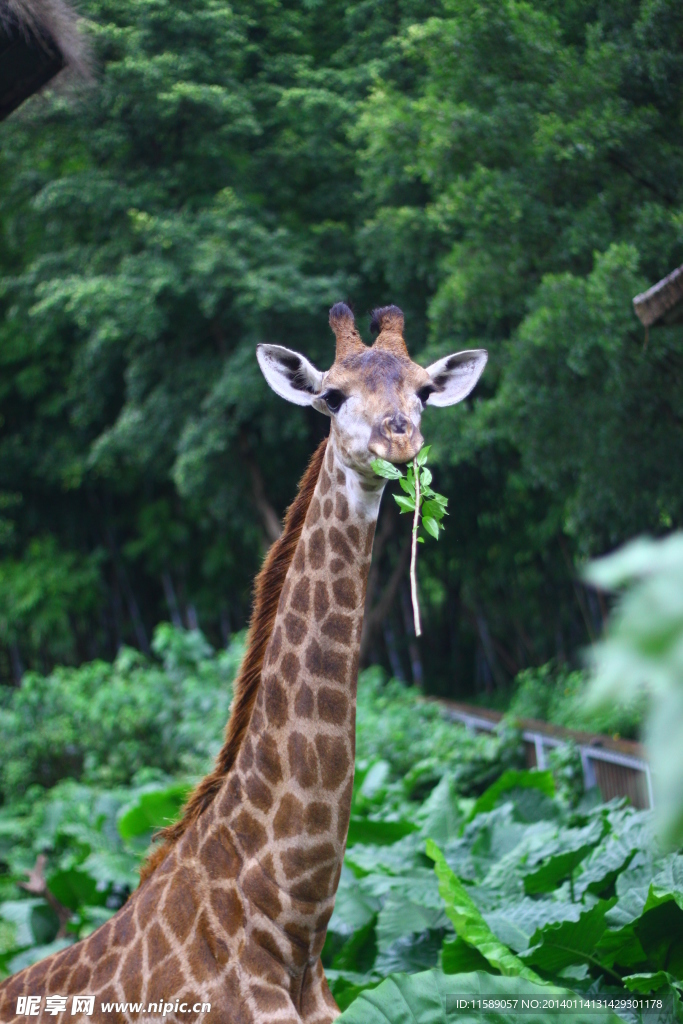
(524, 888)
(420, 746)
(556, 694)
(102, 723)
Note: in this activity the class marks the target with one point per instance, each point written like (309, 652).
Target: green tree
(510, 173)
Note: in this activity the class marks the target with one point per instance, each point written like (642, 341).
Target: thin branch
(415, 661)
(37, 886)
(413, 552)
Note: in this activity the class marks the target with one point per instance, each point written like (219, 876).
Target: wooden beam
(663, 302)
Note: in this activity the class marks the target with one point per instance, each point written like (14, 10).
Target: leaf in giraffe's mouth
(425, 504)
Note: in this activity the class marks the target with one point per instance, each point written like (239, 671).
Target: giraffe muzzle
(396, 438)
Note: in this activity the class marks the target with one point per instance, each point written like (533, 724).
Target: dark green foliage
(509, 174)
(105, 723)
(528, 884)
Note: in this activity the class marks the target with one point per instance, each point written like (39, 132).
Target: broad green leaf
(73, 888)
(555, 870)
(668, 884)
(413, 904)
(366, 830)
(353, 907)
(649, 982)
(374, 780)
(407, 486)
(641, 930)
(558, 945)
(434, 509)
(346, 986)
(393, 859)
(404, 503)
(153, 810)
(386, 469)
(425, 477)
(621, 947)
(603, 864)
(108, 867)
(400, 917)
(423, 454)
(514, 922)
(629, 907)
(513, 779)
(432, 998)
(431, 526)
(469, 923)
(440, 817)
(19, 914)
(8, 937)
(411, 953)
(568, 850)
(359, 951)
(458, 957)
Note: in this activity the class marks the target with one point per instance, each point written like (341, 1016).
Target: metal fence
(617, 767)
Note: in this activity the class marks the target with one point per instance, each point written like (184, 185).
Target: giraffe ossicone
(233, 907)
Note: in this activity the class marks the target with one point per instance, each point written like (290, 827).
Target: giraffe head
(374, 396)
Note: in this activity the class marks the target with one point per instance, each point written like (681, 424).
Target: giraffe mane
(267, 589)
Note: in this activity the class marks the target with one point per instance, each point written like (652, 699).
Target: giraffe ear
(289, 374)
(454, 376)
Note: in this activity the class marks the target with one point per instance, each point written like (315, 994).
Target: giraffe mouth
(397, 448)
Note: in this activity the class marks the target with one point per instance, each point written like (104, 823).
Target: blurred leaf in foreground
(644, 651)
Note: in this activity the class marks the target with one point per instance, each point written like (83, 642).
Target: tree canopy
(509, 173)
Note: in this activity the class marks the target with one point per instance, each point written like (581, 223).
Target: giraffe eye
(334, 399)
(424, 393)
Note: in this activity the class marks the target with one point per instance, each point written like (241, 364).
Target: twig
(416, 489)
(413, 552)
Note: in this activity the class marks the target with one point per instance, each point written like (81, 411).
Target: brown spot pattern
(344, 591)
(295, 628)
(304, 702)
(300, 596)
(316, 549)
(339, 628)
(332, 705)
(303, 763)
(289, 669)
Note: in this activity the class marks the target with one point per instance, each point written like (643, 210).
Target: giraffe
(233, 907)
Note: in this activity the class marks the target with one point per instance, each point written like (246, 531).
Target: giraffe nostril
(392, 425)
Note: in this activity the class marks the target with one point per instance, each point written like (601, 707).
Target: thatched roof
(663, 303)
(38, 38)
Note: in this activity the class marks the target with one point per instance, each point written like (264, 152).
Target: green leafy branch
(428, 508)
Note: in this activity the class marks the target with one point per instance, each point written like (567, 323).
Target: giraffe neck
(238, 908)
(289, 794)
